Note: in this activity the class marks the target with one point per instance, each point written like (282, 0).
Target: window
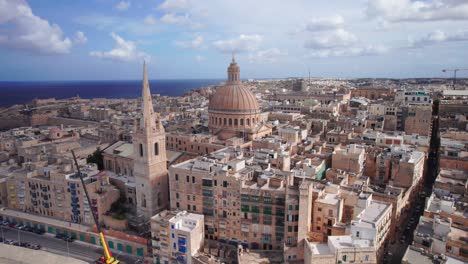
(344, 257)
(177, 177)
(193, 179)
(177, 205)
(188, 207)
(141, 150)
(194, 207)
(357, 233)
(207, 183)
(188, 178)
(290, 229)
(318, 228)
(177, 195)
(156, 149)
(319, 209)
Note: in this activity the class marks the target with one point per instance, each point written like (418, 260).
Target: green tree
(96, 158)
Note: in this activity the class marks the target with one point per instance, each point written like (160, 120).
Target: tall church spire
(148, 117)
(150, 162)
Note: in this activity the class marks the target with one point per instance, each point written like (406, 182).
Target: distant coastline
(12, 92)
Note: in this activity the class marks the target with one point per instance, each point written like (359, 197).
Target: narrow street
(397, 250)
(54, 245)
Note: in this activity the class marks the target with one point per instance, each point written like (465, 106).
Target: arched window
(230, 121)
(225, 121)
(248, 121)
(235, 122)
(242, 121)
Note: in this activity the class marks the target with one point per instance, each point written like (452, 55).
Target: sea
(12, 93)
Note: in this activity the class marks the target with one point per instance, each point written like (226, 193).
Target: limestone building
(177, 236)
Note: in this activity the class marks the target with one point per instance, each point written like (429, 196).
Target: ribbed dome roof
(233, 97)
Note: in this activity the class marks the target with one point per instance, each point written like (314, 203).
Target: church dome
(233, 106)
(233, 96)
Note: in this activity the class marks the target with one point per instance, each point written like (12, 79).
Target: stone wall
(115, 224)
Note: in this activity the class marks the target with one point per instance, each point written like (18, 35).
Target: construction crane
(107, 258)
(454, 74)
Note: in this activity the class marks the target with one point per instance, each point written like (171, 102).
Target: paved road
(76, 249)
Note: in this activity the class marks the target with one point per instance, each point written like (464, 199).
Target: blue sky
(109, 39)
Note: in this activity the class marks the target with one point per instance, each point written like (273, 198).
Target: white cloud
(124, 50)
(181, 20)
(370, 50)
(193, 44)
(118, 24)
(80, 38)
(123, 5)
(438, 37)
(199, 58)
(411, 11)
(172, 5)
(325, 23)
(336, 38)
(241, 44)
(266, 56)
(25, 31)
(150, 20)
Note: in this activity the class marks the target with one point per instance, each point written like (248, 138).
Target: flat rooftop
(374, 211)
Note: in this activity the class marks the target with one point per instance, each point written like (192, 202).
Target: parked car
(36, 247)
(59, 236)
(68, 239)
(38, 231)
(28, 228)
(24, 244)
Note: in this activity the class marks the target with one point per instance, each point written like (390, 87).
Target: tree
(96, 158)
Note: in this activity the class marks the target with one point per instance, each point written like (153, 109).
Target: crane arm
(108, 259)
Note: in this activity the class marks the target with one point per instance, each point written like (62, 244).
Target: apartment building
(56, 192)
(176, 236)
(364, 244)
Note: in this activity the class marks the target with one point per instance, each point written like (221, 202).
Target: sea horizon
(21, 92)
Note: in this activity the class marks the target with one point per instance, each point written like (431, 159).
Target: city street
(75, 249)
